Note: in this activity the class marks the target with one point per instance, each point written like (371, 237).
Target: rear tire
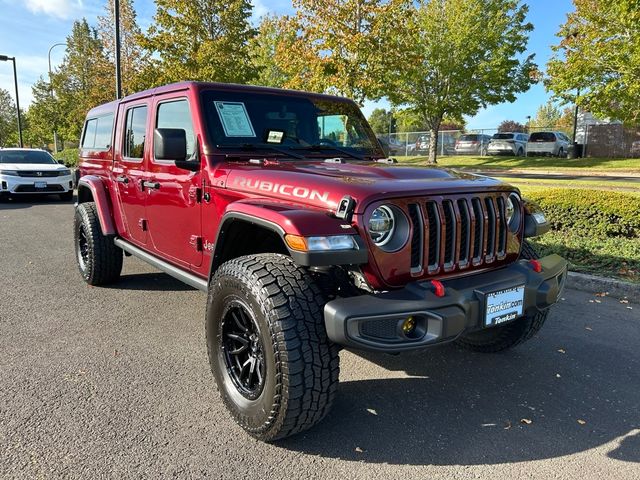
(276, 370)
(510, 335)
(98, 258)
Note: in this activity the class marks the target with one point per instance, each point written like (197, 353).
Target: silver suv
(548, 143)
(508, 143)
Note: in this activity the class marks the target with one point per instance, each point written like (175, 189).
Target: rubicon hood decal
(286, 190)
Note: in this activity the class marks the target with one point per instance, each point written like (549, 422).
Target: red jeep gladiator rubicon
(282, 206)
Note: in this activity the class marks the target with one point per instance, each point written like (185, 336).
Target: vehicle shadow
(151, 281)
(27, 201)
(462, 408)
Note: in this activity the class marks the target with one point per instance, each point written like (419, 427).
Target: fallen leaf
(591, 301)
(598, 301)
(629, 308)
(582, 422)
(507, 425)
(359, 450)
(525, 421)
(561, 350)
(601, 294)
(372, 411)
(557, 375)
(589, 328)
(624, 300)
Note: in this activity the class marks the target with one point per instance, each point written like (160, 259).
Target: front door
(173, 194)
(128, 171)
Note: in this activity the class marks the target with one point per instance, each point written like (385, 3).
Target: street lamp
(55, 134)
(5, 58)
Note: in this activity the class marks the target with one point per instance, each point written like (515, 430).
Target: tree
(547, 116)
(511, 126)
(201, 40)
(8, 119)
(599, 54)
(461, 55)
(275, 36)
(83, 80)
(44, 115)
(344, 46)
(382, 121)
(133, 58)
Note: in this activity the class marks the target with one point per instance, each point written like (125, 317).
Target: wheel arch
(91, 188)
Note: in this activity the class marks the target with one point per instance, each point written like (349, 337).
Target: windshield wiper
(320, 148)
(253, 147)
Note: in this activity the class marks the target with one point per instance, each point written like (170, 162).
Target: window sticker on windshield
(235, 119)
(275, 136)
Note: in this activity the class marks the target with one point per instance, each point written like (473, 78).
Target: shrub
(589, 213)
(69, 156)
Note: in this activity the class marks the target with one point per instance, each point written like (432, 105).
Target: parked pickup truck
(282, 206)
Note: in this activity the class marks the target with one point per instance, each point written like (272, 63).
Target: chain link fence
(604, 140)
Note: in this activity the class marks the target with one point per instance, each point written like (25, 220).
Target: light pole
(55, 134)
(116, 6)
(4, 58)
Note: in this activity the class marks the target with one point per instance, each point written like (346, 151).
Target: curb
(614, 288)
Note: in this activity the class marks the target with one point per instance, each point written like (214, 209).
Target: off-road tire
(301, 364)
(66, 196)
(101, 262)
(506, 336)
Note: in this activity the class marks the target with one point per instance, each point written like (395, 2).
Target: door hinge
(195, 193)
(142, 223)
(196, 242)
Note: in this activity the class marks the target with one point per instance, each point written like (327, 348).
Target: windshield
(287, 123)
(26, 156)
(542, 137)
(469, 138)
(503, 136)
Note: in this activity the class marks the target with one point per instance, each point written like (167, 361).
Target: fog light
(409, 325)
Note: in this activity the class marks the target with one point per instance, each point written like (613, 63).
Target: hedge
(598, 231)
(69, 156)
(591, 213)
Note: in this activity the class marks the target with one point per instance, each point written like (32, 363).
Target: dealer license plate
(40, 184)
(504, 305)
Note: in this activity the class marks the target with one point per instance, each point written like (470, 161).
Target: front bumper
(15, 185)
(374, 322)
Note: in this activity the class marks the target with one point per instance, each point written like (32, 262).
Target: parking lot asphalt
(115, 383)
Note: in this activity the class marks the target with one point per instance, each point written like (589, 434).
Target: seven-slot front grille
(450, 233)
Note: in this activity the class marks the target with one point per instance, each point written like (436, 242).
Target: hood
(323, 184)
(44, 167)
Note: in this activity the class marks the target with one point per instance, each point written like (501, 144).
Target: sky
(28, 29)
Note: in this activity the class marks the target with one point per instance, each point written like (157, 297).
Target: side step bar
(175, 272)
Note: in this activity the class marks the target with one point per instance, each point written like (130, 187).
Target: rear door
(174, 194)
(132, 146)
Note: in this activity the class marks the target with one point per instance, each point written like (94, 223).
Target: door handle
(151, 185)
(122, 179)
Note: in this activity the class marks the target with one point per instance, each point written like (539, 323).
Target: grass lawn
(632, 188)
(535, 163)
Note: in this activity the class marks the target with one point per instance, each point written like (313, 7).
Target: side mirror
(170, 144)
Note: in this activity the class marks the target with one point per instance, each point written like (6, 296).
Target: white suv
(510, 143)
(31, 171)
(548, 143)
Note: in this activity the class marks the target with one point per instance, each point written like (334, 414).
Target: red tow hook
(536, 265)
(439, 288)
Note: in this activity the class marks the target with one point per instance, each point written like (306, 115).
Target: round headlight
(381, 225)
(512, 212)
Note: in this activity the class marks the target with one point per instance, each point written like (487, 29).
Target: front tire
(276, 370)
(507, 336)
(98, 258)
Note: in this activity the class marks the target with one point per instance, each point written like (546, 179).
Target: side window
(104, 128)
(135, 132)
(88, 141)
(177, 114)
